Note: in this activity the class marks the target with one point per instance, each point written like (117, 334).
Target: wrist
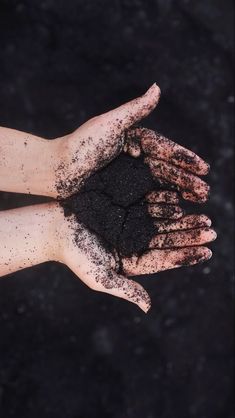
(41, 223)
(28, 236)
(59, 231)
(69, 169)
(28, 163)
(54, 230)
(52, 157)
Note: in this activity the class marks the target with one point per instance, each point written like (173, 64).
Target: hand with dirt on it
(101, 139)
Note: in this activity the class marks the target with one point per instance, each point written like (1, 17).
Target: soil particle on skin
(182, 157)
(112, 204)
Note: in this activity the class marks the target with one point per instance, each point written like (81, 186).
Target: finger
(194, 198)
(132, 145)
(186, 222)
(125, 288)
(158, 146)
(158, 260)
(185, 181)
(181, 239)
(162, 197)
(126, 115)
(165, 211)
(132, 148)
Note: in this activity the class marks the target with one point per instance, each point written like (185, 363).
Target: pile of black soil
(112, 204)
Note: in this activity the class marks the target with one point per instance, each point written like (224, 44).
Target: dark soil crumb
(111, 203)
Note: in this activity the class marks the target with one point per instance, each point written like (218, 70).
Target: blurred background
(66, 351)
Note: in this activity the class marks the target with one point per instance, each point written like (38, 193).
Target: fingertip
(154, 89)
(144, 302)
(188, 196)
(196, 198)
(153, 95)
(206, 220)
(134, 150)
(207, 189)
(200, 200)
(179, 213)
(205, 168)
(207, 253)
(213, 234)
(208, 167)
(145, 307)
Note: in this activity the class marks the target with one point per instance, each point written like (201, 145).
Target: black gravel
(66, 351)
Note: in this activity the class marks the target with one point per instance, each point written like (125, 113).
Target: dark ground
(66, 351)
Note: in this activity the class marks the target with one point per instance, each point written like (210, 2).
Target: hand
(40, 233)
(58, 167)
(102, 138)
(177, 243)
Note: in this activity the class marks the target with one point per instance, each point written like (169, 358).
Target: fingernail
(209, 255)
(154, 88)
(214, 235)
(203, 199)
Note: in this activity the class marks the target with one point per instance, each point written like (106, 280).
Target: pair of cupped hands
(179, 240)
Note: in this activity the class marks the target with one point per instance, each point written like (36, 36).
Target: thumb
(122, 287)
(131, 112)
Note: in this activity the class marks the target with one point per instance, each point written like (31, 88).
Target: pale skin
(58, 168)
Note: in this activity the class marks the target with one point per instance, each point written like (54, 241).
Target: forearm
(27, 236)
(27, 163)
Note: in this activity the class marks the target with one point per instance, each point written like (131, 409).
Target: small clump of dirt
(112, 204)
